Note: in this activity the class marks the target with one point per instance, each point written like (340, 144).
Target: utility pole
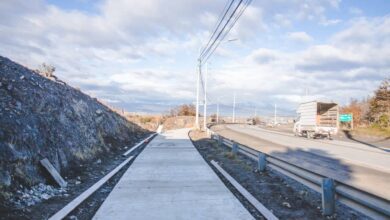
(234, 108)
(255, 112)
(206, 57)
(275, 115)
(197, 94)
(205, 98)
(218, 111)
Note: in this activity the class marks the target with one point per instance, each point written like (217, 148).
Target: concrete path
(170, 180)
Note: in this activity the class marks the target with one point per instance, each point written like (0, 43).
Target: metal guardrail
(331, 190)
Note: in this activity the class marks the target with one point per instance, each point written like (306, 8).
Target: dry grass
(372, 131)
(178, 122)
(230, 155)
(196, 135)
(87, 153)
(149, 122)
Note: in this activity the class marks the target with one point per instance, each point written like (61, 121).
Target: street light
(205, 93)
(230, 40)
(205, 97)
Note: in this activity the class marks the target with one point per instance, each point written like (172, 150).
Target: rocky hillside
(45, 118)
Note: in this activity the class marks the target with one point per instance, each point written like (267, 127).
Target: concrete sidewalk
(170, 180)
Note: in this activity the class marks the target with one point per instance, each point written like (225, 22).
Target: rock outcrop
(45, 118)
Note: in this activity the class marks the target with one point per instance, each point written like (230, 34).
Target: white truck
(316, 119)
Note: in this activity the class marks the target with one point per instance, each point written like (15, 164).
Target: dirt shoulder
(286, 198)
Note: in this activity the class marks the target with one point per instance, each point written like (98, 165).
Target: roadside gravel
(286, 198)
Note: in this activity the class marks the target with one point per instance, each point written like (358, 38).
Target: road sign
(345, 117)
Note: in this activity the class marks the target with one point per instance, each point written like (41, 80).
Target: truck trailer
(316, 119)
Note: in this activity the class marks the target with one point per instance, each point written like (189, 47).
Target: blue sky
(141, 55)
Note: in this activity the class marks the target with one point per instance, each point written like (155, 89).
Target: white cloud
(301, 37)
(282, 20)
(355, 11)
(351, 64)
(327, 58)
(328, 22)
(144, 52)
(263, 56)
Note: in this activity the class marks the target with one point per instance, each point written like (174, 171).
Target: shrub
(46, 70)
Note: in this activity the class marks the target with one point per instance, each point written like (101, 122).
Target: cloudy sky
(141, 55)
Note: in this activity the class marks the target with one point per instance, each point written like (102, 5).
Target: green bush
(383, 121)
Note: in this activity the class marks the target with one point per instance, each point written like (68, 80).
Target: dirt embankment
(179, 122)
(151, 122)
(148, 122)
(45, 118)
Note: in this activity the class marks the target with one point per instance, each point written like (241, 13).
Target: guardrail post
(261, 162)
(328, 196)
(220, 140)
(234, 148)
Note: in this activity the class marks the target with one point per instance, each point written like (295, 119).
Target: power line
(224, 12)
(206, 53)
(246, 4)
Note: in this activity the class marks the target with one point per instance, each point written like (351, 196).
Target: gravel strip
(285, 197)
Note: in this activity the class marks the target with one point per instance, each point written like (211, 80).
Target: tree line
(372, 111)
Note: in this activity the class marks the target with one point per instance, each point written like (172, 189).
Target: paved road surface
(170, 180)
(371, 141)
(356, 164)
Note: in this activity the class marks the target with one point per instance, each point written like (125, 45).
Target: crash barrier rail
(330, 189)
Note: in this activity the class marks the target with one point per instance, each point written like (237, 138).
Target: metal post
(352, 121)
(205, 99)
(197, 94)
(234, 108)
(262, 162)
(275, 115)
(328, 196)
(234, 148)
(218, 111)
(219, 140)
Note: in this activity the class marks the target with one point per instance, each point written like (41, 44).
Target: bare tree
(183, 110)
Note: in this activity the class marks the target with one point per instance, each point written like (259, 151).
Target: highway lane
(345, 151)
(355, 164)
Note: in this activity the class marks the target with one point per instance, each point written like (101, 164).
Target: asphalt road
(355, 164)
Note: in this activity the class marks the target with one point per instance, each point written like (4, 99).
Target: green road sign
(345, 117)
